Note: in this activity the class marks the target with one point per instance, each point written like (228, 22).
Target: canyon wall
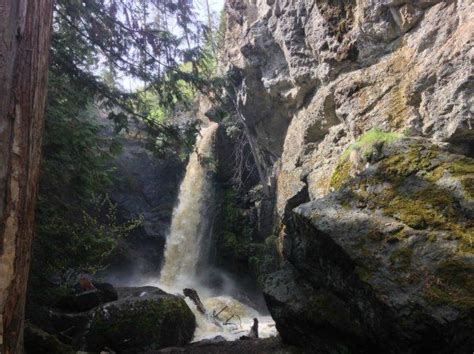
(359, 116)
(144, 185)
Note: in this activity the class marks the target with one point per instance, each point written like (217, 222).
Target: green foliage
(236, 244)
(84, 242)
(165, 138)
(77, 228)
(158, 46)
(65, 141)
(116, 147)
(148, 106)
(222, 29)
(76, 223)
(229, 242)
(146, 40)
(368, 141)
(174, 141)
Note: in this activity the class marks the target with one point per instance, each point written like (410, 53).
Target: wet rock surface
(142, 318)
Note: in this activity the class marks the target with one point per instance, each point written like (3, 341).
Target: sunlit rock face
(313, 78)
(313, 68)
(384, 261)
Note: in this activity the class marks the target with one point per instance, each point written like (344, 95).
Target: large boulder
(385, 262)
(79, 300)
(143, 318)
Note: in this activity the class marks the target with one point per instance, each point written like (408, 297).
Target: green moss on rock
(424, 205)
(134, 324)
(401, 258)
(406, 224)
(411, 161)
(430, 206)
(453, 284)
(368, 144)
(399, 235)
(370, 141)
(426, 189)
(461, 169)
(341, 174)
(468, 187)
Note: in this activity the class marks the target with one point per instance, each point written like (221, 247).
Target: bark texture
(25, 31)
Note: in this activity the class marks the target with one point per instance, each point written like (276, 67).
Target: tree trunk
(25, 31)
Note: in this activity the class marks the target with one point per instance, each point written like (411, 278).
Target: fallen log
(231, 317)
(193, 295)
(214, 317)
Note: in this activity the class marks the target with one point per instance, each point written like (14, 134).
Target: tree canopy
(146, 41)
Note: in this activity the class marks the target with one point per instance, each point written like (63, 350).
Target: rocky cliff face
(359, 115)
(144, 186)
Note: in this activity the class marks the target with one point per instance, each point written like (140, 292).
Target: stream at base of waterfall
(187, 249)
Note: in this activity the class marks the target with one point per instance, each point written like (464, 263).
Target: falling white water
(190, 221)
(186, 249)
(239, 318)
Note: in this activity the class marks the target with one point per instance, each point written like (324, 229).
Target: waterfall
(186, 246)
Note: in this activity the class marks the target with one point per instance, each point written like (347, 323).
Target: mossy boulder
(142, 319)
(391, 248)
